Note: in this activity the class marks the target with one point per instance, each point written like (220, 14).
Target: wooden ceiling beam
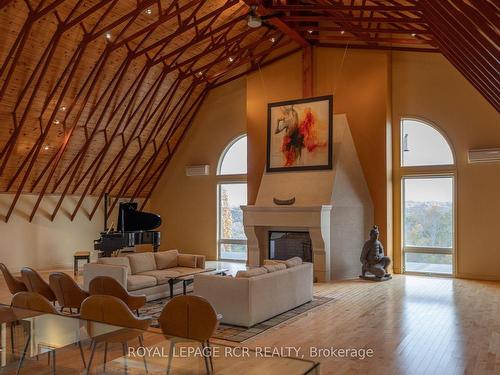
(279, 23)
(463, 51)
(358, 29)
(377, 47)
(131, 97)
(405, 41)
(396, 20)
(342, 7)
(190, 115)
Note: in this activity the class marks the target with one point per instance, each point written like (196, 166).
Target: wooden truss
(96, 95)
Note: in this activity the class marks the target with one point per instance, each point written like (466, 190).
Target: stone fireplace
(333, 206)
(315, 220)
(284, 245)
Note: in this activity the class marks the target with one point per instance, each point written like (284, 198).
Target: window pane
(233, 252)
(235, 159)
(232, 196)
(431, 263)
(421, 144)
(428, 212)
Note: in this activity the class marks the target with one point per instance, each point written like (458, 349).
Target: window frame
(224, 179)
(437, 167)
(223, 156)
(425, 171)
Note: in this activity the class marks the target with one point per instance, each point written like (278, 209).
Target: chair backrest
(190, 317)
(35, 283)
(33, 301)
(105, 285)
(111, 310)
(14, 285)
(7, 314)
(67, 291)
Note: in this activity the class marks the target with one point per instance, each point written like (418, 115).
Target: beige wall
(427, 86)
(359, 81)
(188, 205)
(423, 85)
(44, 244)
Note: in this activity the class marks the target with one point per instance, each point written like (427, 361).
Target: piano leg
(155, 248)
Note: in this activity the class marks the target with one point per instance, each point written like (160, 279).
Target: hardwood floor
(413, 324)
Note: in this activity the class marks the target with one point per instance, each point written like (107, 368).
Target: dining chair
(36, 302)
(189, 318)
(69, 295)
(35, 283)
(8, 316)
(105, 285)
(15, 284)
(112, 310)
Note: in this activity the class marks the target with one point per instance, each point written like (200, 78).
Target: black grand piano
(134, 228)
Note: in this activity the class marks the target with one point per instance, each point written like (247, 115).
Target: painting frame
(328, 165)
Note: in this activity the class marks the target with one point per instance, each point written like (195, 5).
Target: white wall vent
(484, 155)
(197, 170)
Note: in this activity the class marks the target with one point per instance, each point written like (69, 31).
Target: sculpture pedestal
(375, 278)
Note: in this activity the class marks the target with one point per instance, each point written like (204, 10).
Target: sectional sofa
(145, 273)
(258, 294)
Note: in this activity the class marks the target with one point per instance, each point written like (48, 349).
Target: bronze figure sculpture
(373, 258)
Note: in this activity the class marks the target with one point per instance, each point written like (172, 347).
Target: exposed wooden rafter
(96, 97)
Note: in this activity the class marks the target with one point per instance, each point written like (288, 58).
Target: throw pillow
(166, 259)
(251, 272)
(292, 262)
(186, 260)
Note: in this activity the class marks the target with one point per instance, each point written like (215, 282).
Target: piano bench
(77, 256)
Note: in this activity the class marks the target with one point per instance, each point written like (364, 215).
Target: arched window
(232, 193)
(427, 199)
(422, 145)
(234, 157)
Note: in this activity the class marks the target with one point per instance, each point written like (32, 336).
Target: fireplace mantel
(259, 220)
(334, 206)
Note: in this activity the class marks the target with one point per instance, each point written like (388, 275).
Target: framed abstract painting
(299, 134)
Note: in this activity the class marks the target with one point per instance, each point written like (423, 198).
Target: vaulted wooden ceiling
(96, 95)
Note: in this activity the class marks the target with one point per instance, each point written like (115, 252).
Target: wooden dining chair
(112, 310)
(189, 318)
(105, 285)
(69, 295)
(36, 302)
(15, 284)
(35, 283)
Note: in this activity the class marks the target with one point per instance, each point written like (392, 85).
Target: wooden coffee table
(188, 279)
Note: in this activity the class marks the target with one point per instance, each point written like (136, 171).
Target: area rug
(234, 333)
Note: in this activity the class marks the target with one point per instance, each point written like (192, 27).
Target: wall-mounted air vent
(484, 155)
(197, 170)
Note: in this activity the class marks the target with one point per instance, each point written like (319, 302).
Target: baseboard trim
(472, 276)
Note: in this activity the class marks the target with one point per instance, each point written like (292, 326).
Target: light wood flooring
(413, 324)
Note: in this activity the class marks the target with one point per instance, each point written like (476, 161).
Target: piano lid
(132, 220)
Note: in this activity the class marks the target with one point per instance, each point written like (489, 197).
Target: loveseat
(145, 273)
(258, 294)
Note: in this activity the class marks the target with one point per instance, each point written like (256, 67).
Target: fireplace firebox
(286, 245)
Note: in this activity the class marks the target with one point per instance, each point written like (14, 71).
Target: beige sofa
(145, 273)
(259, 294)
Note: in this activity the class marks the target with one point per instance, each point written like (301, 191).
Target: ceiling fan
(254, 20)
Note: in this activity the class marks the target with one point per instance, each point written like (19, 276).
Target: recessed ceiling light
(149, 11)
(63, 109)
(108, 35)
(310, 31)
(273, 39)
(342, 32)
(199, 74)
(46, 148)
(230, 59)
(57, 122)
(413, 35)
